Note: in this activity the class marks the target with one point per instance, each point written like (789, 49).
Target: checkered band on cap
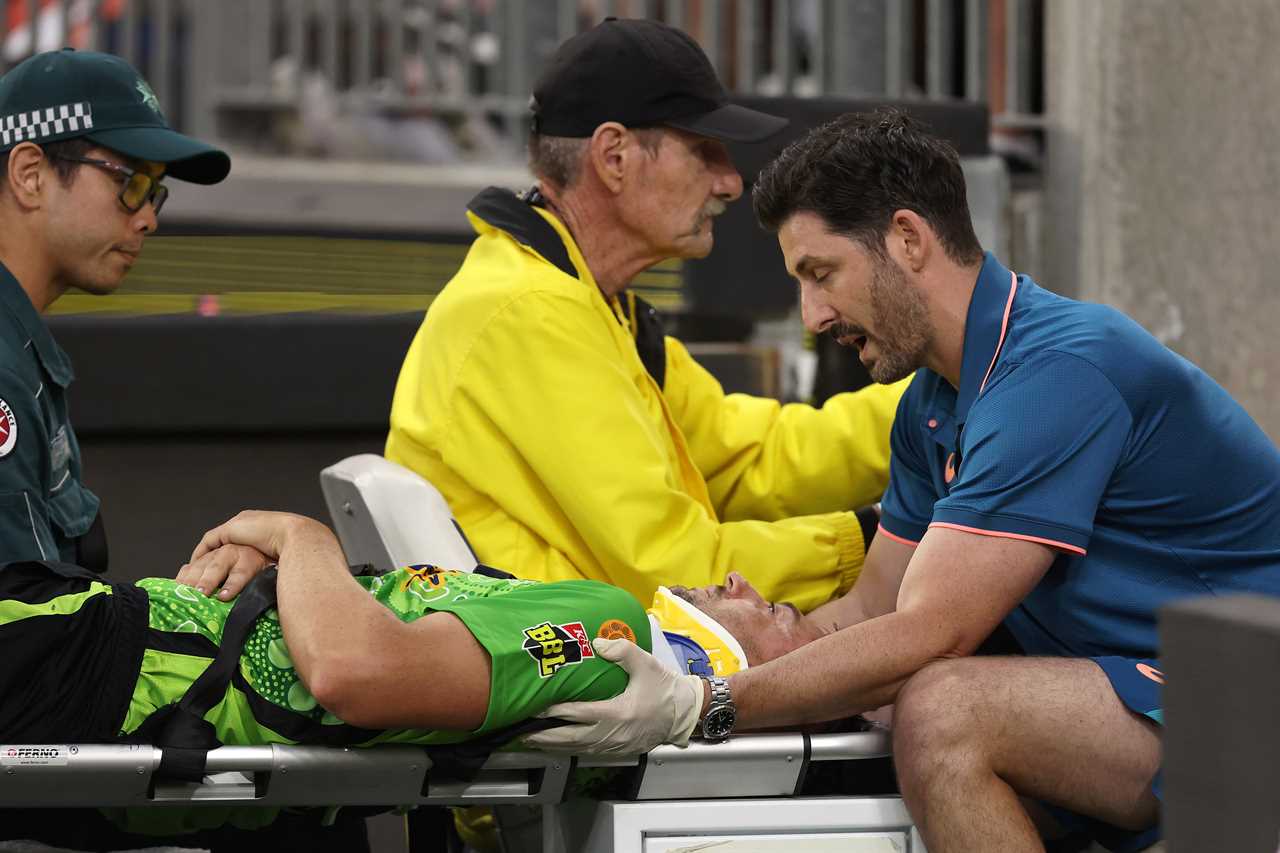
(40, 124)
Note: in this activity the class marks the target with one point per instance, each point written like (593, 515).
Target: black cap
(639, 73)
(67, 94)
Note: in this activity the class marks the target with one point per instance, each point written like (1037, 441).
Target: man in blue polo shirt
(1054, 468)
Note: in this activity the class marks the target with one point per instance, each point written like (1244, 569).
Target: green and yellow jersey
(117, 653)
(538, 637)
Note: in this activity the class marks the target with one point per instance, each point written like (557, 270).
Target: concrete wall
(1163, 192)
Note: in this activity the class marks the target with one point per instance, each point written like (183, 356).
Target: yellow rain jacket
(525, 401)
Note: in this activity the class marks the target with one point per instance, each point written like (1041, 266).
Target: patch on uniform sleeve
(556, 646)
(616, 629)
(428, 575)
(8, 429)
(426, 570)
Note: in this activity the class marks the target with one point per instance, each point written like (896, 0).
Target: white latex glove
(658, 706)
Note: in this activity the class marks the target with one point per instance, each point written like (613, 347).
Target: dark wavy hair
(857, 170)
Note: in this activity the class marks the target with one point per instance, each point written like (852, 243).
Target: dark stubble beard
(902, 323)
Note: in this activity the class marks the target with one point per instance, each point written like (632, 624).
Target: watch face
(719, 722)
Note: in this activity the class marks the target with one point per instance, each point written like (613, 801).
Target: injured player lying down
(418, 655)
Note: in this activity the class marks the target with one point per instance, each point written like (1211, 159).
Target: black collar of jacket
(515, 215)
(508, 211)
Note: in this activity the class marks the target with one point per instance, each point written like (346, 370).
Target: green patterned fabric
(537, 636)
(73, 644)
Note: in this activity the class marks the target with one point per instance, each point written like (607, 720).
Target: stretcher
(739, 795)
(743, 788)
(746, 788)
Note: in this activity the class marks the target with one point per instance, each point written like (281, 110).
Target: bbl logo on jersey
(555, 646)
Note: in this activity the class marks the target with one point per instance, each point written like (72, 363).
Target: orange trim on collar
(1004, 329)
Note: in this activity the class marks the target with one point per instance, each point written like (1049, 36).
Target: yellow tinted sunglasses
(136, 188)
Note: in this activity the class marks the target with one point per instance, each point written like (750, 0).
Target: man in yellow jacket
(573, 439)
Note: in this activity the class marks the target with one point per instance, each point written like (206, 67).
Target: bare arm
(359, 660)
(875, 593)
(956, 589)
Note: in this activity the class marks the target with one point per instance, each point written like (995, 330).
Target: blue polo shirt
(1076, 428)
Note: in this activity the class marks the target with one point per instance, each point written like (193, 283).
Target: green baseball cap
(66, 94)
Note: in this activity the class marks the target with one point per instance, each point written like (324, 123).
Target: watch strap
(721, 702)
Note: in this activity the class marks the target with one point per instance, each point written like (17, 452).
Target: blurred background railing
(376, 119)
(439, 81)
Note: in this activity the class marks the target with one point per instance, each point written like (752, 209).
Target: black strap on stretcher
(185, 737)
(180, 730)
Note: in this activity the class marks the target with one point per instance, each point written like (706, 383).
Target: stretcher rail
(119, 775)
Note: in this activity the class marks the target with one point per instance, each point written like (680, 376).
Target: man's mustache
(713, 208)
(845, 331)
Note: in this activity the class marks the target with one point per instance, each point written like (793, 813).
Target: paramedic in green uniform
(84, 152)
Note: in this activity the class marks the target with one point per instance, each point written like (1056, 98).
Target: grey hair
(558, 159)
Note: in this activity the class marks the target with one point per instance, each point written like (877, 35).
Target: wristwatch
(721, 713)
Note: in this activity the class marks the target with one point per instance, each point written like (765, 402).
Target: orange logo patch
(1151, 672)
(616, 629)
(950, 473)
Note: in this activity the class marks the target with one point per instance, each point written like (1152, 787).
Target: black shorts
(72, 650)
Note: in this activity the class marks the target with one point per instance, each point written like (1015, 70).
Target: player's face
(865, 300)
(93, 240)
(765, 630)
(679, 191)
